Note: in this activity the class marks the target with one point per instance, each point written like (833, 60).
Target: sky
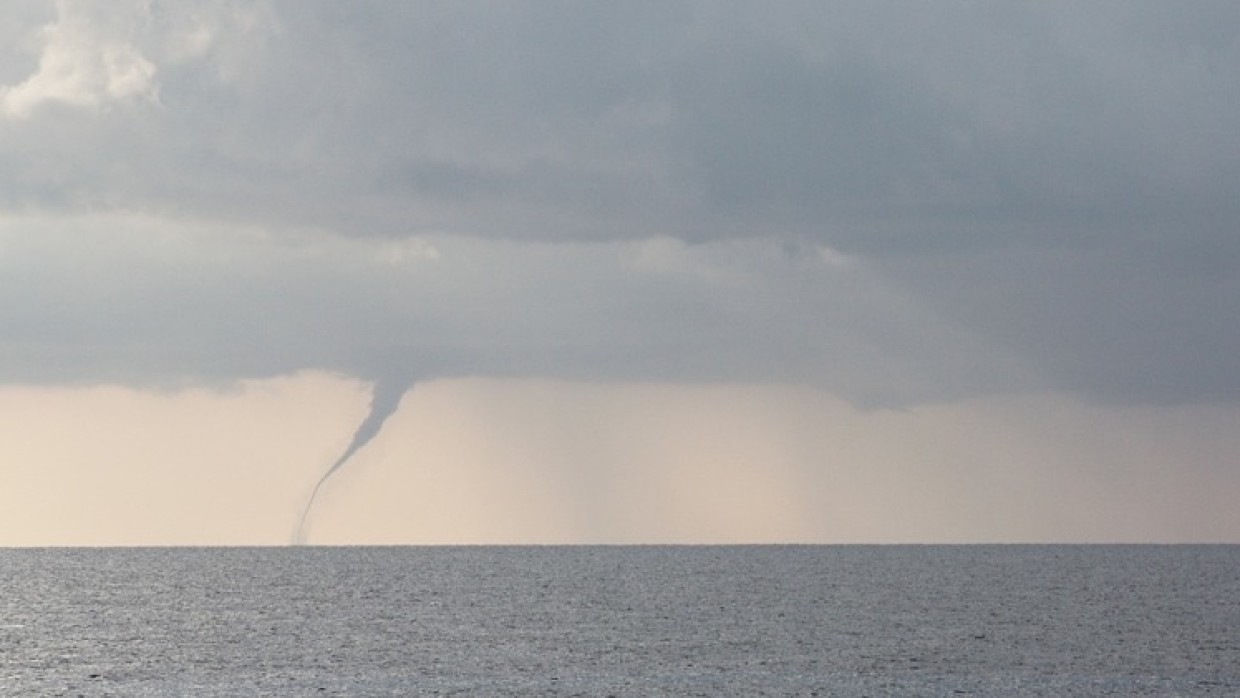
(643, 272)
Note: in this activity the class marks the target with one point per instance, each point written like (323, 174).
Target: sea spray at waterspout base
(384, 399)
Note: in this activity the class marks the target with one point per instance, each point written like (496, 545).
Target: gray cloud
(126, 299)
(1150, 323)
(872, 126)
(1050, 183)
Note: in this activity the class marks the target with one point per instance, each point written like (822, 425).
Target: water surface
(631, 621)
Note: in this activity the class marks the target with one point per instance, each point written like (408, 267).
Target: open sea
(621, 621)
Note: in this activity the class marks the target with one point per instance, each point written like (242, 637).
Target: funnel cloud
(385, 398)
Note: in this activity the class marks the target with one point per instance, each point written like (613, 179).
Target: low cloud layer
(895, 201)
(130, 299)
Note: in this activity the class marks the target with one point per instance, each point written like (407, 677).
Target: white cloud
(85, 62)
(409, 251)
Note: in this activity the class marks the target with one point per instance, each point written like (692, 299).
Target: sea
(797, 620)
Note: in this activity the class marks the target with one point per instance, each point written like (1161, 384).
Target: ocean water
(622, 621)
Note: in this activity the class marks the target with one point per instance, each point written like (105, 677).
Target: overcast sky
(895, 205)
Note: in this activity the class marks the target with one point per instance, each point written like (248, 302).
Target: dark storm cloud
(1052, 178)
